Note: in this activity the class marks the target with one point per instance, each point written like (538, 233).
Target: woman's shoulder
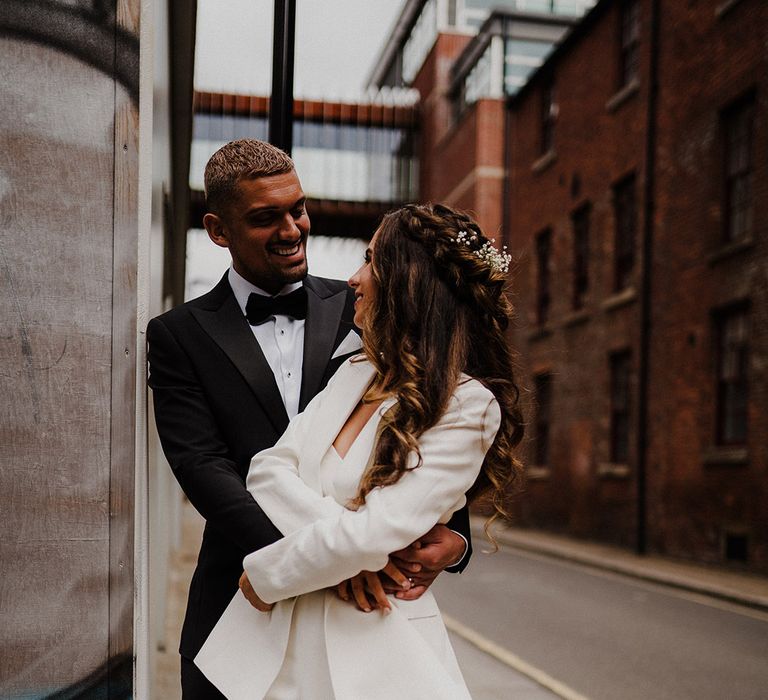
(472, 389)
(474, 403)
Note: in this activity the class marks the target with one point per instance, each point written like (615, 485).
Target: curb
(641, 571)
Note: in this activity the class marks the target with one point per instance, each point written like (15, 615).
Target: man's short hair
(244, 158)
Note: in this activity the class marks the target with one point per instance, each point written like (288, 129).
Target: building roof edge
(401, 28)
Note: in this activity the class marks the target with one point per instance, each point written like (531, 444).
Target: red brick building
(642, 287)
(463, 60)
(626, 174)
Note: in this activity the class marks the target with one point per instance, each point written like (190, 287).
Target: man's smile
(286, 250)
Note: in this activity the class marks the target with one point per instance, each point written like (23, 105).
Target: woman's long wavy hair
(439, 310)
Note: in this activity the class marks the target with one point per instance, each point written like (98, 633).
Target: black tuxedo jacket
(216, 405)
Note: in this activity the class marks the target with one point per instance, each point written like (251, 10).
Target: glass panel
(542, 263)
(580, 256)
(738, 127)
(339, 161)
(478, 83)
(520, 48)
(733, 378)
(620, 404)
(522, 58)
(420, 42)
(543, 393)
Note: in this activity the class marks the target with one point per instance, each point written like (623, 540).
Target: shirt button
(289, 375)
(282, 331)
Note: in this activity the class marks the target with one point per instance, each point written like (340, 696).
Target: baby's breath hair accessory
(495, 259)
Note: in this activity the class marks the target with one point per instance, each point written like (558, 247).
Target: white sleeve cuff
(464, 553)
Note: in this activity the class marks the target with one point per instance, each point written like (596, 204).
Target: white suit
(303, 486)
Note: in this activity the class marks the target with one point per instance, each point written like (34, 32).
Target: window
(732, 333)
(451, 13)
(548, 116)
(477, 84)
(543, 389)
(420, 42)
(620, 365)
(543, 253)
(580, 221)
(629, 54)
(738, 132)
(625, 214)
(522, 57)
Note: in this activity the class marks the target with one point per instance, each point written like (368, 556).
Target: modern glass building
(521, 50)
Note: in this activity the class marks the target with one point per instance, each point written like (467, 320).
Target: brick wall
(703, 501)
(699, 496)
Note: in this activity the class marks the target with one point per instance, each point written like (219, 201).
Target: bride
(426, 415)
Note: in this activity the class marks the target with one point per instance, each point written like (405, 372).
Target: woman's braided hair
(439, 310)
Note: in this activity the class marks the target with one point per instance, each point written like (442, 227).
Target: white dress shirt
(281, 339)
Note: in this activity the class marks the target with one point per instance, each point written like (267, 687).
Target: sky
(337, 42)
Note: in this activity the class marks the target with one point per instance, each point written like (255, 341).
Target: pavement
(737, 587)
(487, 673)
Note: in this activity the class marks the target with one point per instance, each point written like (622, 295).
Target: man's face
(265, 228)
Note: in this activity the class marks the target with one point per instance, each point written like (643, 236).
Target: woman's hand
(367, 585)
(251, 595)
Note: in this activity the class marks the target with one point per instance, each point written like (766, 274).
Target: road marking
(506, 657)
(659, 587)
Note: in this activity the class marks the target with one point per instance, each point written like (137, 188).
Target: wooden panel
(124, 346)
(67, 303)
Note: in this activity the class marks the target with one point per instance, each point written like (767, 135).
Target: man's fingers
(421, 582)
(407, 565)
(251, 596)
(411, 594)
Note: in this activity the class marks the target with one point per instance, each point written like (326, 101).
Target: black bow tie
(259, 308)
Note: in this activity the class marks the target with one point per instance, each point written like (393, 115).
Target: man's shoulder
(325, 286)
(211, 300)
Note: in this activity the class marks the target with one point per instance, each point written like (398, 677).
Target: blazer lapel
(324, 311)
(346, 395)
(227, 326)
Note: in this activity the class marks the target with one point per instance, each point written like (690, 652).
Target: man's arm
(195, 448)
(459, 524)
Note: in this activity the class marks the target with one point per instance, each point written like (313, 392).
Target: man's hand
(367, 585)
(427, 557)
(251, 595)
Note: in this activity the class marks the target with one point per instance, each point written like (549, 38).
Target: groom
(229, 369)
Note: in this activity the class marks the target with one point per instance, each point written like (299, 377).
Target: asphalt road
(606, 636)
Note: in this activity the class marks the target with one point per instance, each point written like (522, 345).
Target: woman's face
(364, 285)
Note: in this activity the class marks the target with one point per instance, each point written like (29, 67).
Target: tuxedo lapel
(324, 311)
(229, 329)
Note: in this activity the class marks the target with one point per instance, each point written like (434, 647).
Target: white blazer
(405, 654)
